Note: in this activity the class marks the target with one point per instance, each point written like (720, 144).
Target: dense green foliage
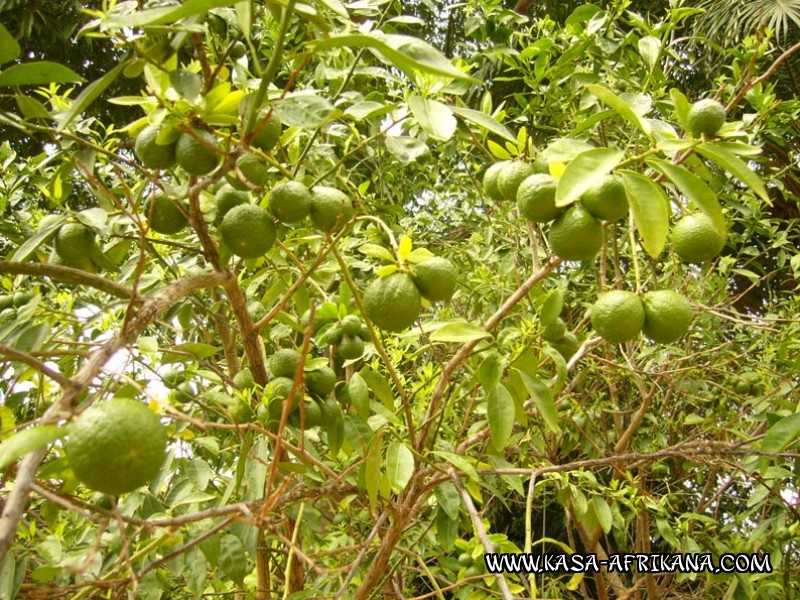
(345, 418)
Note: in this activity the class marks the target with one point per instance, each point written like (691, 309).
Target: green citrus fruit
(618, 316)
(74, 242)
(576, 234)
(695, 239)
(255, 170)
(183, 394)
(351, 325)
(607, 200)
(116, 446)
(238, 50)
(364, 333)
(290, 201)
(706, 117)
(227, 198)
(152, 154)
(511, 176)
(266, 133)
(351, 347)
(330, 208)
(321, 382)
(490, 180)
(667, 316)
(312, 415)
(567, 346)
(540, 165)
(465, 559)
(333, 336)
(243, 380)
(555, 332)
(284, 363)
(6, 301)
(198, 152)
(435, 278)
(536, 198)
(165, 216)
(392, 303)
(173, 377)
(248, 231)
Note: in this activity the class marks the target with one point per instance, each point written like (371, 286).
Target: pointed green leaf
(459, 332)
(552, 307)
(232, 558)
(376, 251)
(406, 149)
(500, 412)
(38, 73)
(650, 206)
(485, 121)
(399, 466)
(9, 47)
(721, 157)
(603, 513)
(650, 48)
(434, 117)
(28, 440)
(459, 462)
(613, 101)
(694, 188)
(305, 110)
(542, 399)
(30, 245)
(407, 53)
(584, 171)
(169, 14)
(682, 107)
(781, 434)
(448, 498)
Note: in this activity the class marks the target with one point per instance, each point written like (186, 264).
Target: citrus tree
(327, 313)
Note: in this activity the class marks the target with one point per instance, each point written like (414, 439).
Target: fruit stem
(635, 254)
(392, 239)
(269, 73)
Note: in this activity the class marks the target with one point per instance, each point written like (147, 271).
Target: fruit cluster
(576, 233)
(394, 302)
(248, 230)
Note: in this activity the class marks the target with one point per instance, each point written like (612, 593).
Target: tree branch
(66, 274)
(24, 357)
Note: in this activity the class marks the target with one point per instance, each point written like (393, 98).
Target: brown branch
(69, 274)
(24, 357)
(149, 311)
(465, 350)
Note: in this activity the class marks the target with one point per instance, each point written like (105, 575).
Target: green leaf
(244, 15)
(650, 207)
(38, 73)
(232, 558)
(682, 107)
(170, 14)
(407, 53)
(368, 108)
(694, 188)
(399, 465)
(31, 108)
(459, 462)
(584, 171)
(542, 399)
(31, 244)
(613, 101)
(305, 110)
(721, 157)
(199, 349)
(603, 513)
(448, 499)
(781, 434)
(500, 412)
(28, 440)
(485, 121)
(372, 469)
(406, 149)
(459, 332)
(650, 49)
(434, 117)
(376, 251)
(7, 422)
(9, 47)
(552, 307)
(490, 370)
